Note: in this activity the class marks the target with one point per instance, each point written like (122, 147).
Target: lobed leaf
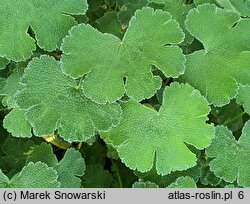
(183, 182)
(217, 69)
(243, 97)
(106, 60)
(37, 175)
(231, 157)
(17, 16)
(54, 101)
(144, 134)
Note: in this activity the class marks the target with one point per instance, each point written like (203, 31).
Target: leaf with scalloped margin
(37, 175)
(145, 134)
(113, 59)
(16, 151)
(183, 182)
(231, 158)
(54, 101)
(178, 9)
(10, 87)
(243, 97)
(68, 169)
(241, 6)
(164, 181)
(16, 44)
(16, 123)
(224, 62)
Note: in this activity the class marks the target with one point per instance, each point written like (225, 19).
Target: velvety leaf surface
(15, 42)
(243, 97)
(16, 123)
(54, 101)
(224, 62)
(231, 157)
(113, 59)
(145, 134)
(37, 175)
(178, 9)
(69, 169)
(183, 182)
(241, 6)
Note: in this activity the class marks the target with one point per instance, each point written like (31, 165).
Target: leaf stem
(118, 174)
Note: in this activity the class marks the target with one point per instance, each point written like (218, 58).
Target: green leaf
(68, 169)
(10, 87)
(207, 177)
(165, 181)
(43, 153)
(224, 62)
(199, 2)
(128, 10)
(3, 63)
(94, 4)
(94, 153)
(229, 115)
(144, 184)
(16, 152)
(96, 177)
(157, 1)
(109, 24)
(16, 123)
(123, 177)
(241, 6)
(231, 157)
(183, 182)
(4, 180)
(145, 134)
(243, 97)
(178, 9)
(37, 175)
(113, 59)
(15, 42)
(54, 101)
